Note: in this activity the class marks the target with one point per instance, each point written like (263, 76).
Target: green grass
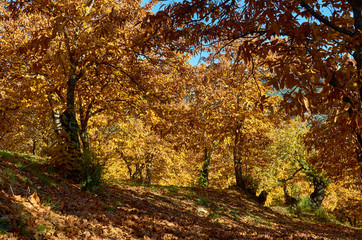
(304, 211)
(190, 193)
(22, 225)
(6, 155)
(110, 208)
(8, 171)
(321, 215)
(21, 157)
(47, 201)
(117, 201)
(204, 201)
(257, 220)
(154, 188)
(43, 229)
(235, 214)
(10, 174)
(4, 224)
(213, 216)
(20, 165)
(44, 178)
(24, 179)
(173, 189)
(304, 203)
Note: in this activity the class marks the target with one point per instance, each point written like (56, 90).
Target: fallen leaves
(139, 212)
(34, 199)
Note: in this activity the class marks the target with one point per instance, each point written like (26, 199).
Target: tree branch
(89, 7)
(325, 21)
(125, 73)
(291, 177)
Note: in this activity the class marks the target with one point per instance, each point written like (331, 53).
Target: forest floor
(39, 204)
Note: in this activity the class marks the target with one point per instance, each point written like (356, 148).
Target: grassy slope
(38, 204)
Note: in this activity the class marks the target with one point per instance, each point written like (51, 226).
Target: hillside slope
(38, 204)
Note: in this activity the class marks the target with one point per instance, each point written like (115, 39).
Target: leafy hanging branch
(325, 21)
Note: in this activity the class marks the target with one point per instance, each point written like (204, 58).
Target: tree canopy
(106, 87)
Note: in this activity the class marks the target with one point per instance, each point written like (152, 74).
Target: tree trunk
(137, 175)
(341, 216)
(352, 223)
(84, 139)
(320, 183)
(69, 119)
(84, 118)
(318, 194)
(357, 55)
(289, 200)
(70, 126)
(148, 177)
(237, 156)
(33, 148)
(204, 178)
(57, 122)
(127, 164)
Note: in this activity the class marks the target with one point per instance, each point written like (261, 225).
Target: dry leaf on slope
(34, 199)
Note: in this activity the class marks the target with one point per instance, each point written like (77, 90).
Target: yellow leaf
(336, 117)
(306, 103)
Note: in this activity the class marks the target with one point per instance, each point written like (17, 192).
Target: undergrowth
(91, 172)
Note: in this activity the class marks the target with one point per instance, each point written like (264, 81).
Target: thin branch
(106, 107)
(291, 177)
(253, 74)
(89, 8)
(125, 73)
(325, 21)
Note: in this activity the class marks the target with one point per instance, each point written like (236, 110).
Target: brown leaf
(34, 199)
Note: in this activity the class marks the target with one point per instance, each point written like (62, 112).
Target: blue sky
(197, 59)
(194, 60)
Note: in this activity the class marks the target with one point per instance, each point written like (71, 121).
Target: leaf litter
(32, 209)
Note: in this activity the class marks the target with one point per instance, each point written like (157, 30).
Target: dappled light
(110, 128)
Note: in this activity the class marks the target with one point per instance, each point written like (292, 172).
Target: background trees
(311, 48)
(113, 78)
(78, 59)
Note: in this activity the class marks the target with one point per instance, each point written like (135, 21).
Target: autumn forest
(256, 99)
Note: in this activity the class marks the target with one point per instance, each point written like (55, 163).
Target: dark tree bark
(204, 178)
(352, 223)
(84, 115)
(149, 170)
(289, 200)
(34, 145)
(71, 127)
(68, 117)
(318, 194)
(83, 131)
(357, 55)
(262, 197)
(137, 175)
(237, 155)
